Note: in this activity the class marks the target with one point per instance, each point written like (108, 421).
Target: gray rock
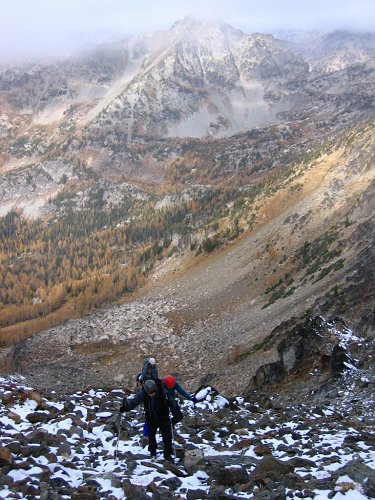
(191, 460)
(356, 470)
(270, 467)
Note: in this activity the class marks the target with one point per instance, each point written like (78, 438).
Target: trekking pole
(118, 438)
(173, 442)
(196, 419)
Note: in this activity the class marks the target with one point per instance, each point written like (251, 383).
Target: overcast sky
(43, 27)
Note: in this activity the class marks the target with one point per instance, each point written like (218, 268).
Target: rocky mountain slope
(337, 50)
(268, 443)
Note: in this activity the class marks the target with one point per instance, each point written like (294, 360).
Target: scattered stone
(37, 417)
(6, 457)
(284, 449)
(262, 450)
(191, 460)
(357, 471)
(134, 492)
(270, 467)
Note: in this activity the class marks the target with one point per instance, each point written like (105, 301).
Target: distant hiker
(172, 386)
(157, 405)
(149, 370)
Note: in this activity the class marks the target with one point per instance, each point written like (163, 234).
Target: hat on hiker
(170, 381)
(152, 361)
(150, 386)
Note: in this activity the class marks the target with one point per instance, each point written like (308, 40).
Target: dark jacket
(156, 408)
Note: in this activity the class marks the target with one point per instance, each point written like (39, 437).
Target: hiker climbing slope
(157, 405)
(149, 371)
(172, 386)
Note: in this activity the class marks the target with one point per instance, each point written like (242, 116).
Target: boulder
(270, 467)
(357, 471)
(37, 417)
(6, 457)
(191, 460)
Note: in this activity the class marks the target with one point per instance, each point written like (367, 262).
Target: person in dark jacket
(157, 406)
(149, 371)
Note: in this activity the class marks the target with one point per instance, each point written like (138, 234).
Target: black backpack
(149, 372)
(177, 414)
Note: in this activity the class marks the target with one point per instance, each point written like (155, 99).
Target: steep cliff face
(205, 79)
(198, 79)
(205, 73)
(338, 50)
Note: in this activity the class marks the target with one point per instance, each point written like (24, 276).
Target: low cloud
(30, 28)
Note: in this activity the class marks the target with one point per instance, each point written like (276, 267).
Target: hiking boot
(153, 456)
(169, 458)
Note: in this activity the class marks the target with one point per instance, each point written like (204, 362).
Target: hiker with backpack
(149, 371)
(157, 404)
(172, 386)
